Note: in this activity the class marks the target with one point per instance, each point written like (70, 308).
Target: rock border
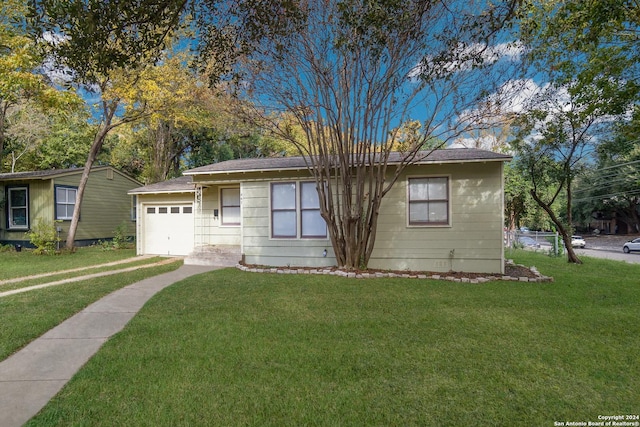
(539, 278)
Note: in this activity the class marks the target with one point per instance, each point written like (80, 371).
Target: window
(65, 202)
(175, 209)
(283, 210)
(18, 207)
(429, 201)
(311, 223)
(230, 206)
(287, 206)
(134, 208)
(151, 210)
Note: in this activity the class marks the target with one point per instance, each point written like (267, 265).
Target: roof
(448, 155)
(53, 173)
(46, 174)
(183, 184)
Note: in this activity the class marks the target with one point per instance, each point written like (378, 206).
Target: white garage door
(168, 229)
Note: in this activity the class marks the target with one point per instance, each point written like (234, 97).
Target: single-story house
(445, 213)
(50, 195)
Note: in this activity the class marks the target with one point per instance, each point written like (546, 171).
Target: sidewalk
(32, 376)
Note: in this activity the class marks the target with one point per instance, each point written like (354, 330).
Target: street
(609, 247)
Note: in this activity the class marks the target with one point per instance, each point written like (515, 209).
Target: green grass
(26, 316)
(25, 263)
(85, 271)
(232, 348)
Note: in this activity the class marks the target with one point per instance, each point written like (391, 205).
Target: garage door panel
(168, 229)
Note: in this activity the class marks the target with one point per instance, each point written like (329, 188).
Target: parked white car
(633, 245)
(578, 242)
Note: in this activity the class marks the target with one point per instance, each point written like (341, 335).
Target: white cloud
(464, 56)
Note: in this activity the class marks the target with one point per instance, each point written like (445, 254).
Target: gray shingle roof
(38, 174)
(183, 184)
(449, 155)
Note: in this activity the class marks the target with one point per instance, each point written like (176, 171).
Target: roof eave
(298, 168)
(135, 193)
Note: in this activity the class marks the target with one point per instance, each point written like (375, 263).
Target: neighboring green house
(26, 197)
(444, 213)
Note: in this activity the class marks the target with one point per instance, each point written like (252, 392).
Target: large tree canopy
(21, 79)
(103, 46)
(586, 53)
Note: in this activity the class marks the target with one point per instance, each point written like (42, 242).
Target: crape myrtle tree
(349, 74)
(102, 45)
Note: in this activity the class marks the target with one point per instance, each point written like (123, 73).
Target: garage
(168, 229)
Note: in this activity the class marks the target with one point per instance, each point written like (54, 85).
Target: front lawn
(26, 316)
(233, 348)
(25, 263)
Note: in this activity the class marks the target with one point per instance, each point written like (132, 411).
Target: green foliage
(592, 42)
(122, 238)
(102, 36)
(44, 236)
(6, 248)
(557, 248)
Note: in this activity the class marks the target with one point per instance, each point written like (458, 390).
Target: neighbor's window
(18, 207)
(65, 202)
(230, 206)
(291, 202)
(429, 201)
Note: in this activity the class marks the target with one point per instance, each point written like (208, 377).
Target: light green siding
(471, 242)
(209, 227)
(105, 206)
(257, 244)
(40, 206)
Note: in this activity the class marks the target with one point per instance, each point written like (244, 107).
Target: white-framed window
(65, 202)
(428, 200)
(283, 210)
(230, 206)
(18, 208)
(311, 223)
(295, 211)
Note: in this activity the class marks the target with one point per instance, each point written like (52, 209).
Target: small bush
(44, 237)
(6, 248)
(556, 251)
(121, 238)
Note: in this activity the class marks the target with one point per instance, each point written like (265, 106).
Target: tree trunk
(4, 106)
(93, 153)
(564, 233)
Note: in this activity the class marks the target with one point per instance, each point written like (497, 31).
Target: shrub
(6, 248)
(121, 238)
(44, 237)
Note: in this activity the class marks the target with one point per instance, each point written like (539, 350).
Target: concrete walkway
(33, 375)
